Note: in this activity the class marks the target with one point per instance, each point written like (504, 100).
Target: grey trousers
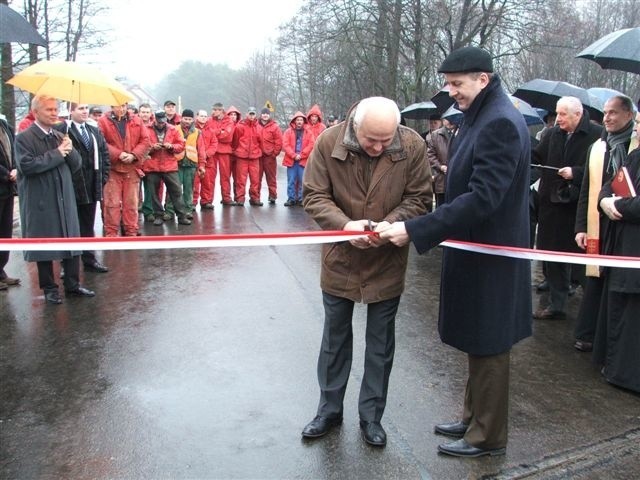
(486, 401)
(334, 361)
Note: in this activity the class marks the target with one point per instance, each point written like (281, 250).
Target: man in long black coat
(45, 160)
(89, 181)
(564, 147)
(485, 300)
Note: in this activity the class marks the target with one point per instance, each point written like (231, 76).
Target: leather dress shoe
(96, 266)
(373, 433)
(320, 426)
(53, 297)
(583, 345)
(453, 429)
(80, 291)
(543, 286)
(548, 314)
(460, 448)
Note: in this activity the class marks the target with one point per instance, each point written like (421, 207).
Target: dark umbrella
(442, 99)
(617, 51)
(546, 93)
(14, 28)
(419, 111)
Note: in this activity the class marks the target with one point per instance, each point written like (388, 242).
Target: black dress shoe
(96, 266)
(320, 426)
(80, 292)
(454, 429)
(543, 286)
(53, 297)
(256, 203)
(373, 433)
(460, 448)
(583, 345)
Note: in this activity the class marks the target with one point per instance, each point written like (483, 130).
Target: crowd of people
(369, 173)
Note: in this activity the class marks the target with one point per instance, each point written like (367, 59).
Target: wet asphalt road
(201, 364)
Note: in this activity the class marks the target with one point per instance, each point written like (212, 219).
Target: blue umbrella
(616, 51)
(529, 113)
(14, 28)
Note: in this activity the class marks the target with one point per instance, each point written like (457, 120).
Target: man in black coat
(604, 159)
(485, 300)
(565, 148)
(8, 176)
(88, 183)
(45, 160)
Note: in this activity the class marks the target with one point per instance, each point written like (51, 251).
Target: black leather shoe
(373, 433)
(460, 448)
(543, 286)
(583, 345)
(53, 297)
(96, 266)
(320, 426)
(454, 429)
(256, 203)
(272, 201)
(80, 292)
(289, 203)
(549, 314)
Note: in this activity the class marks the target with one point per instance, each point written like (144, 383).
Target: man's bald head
(375, 122)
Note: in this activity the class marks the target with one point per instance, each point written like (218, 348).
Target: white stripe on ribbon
(546, 255)
(294, 238)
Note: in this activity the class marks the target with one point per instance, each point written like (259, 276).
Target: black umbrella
(14, 28)
(442, 99)
(419, 111)
(617, 51)
(546, 93)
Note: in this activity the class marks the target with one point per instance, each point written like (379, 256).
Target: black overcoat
(88, 182)
(622, 237)
(485, 300)
(556, 221)
(7, 187)
(45, 187)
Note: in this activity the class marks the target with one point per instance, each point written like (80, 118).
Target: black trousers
(71, 274)
(87, 219)
(6, 228)
(174, 192)
(336, 353)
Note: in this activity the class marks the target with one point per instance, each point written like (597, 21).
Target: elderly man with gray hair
(362, 175)
(565, 148)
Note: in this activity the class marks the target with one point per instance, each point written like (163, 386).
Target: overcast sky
(151, 38)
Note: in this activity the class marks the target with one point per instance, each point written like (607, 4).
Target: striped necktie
(85, 137)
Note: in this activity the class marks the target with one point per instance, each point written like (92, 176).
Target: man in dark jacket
(365, 173)
(437, 153)
(8, 176)
(89, 182)
(485, 301)
(604, 159)
(565, 148)
(46, 161)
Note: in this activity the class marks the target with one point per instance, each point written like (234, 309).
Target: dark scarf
(617, 142)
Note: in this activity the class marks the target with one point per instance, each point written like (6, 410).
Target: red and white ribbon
(546, 255)
(291, 238)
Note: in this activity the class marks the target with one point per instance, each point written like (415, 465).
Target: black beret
(467, 59)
